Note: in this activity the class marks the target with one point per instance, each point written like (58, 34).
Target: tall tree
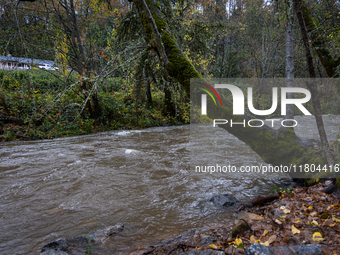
(312, 86)
(290, 57)
(22, 32)
(318, 42)
(78, 25)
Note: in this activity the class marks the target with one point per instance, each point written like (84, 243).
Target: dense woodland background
(110, 75)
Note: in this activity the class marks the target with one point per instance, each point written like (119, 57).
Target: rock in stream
(96, 242)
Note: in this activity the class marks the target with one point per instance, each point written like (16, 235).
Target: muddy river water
(71, 186)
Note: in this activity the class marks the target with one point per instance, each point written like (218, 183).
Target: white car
(48, 67)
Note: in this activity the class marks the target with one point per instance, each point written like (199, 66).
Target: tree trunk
(312, 86)
(290, 59)
(147, 85)
(319, 44)
(179, 67)
(92, 104)
(169, 108)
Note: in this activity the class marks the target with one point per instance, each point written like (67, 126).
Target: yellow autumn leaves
(317, 237)
(271, 239)
(295, 230)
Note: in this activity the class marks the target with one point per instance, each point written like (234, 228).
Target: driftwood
(260, 200)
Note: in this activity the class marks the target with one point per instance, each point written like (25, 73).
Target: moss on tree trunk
(178, 66)
(318, 43)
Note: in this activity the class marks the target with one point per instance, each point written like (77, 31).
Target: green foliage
(21, 32)
(283, 190)
(337, 182)
(243, 41)
(43, 111)
(34, 79)
(89, 245)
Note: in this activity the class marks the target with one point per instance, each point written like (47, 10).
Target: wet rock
(74, 245)
(51, 252)
(316, 249)
(95, 240)
(231, 249)
(203, 253)
(330, 190)
(223, 200)
(258, 249)
(207, 241)
(240, 224)
(102, 234)
(59, 244)
(235, 251)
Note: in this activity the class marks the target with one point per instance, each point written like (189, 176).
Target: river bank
(304, 217)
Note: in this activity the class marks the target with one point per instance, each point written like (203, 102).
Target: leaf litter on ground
(303, 216)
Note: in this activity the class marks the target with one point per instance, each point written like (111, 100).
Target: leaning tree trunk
(274, 146)
(174, 60)
(318, 43)
(312, 86)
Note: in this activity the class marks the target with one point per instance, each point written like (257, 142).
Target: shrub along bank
(37, 104)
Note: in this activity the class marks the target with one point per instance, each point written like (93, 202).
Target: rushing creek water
(71, 186)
